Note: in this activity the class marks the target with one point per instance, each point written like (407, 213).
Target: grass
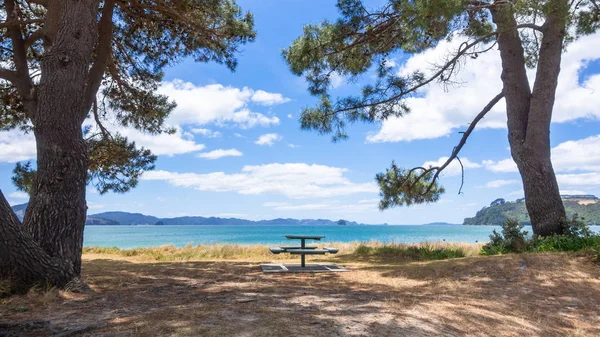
(201, 252)
(418, 252)
(530, 294)
(232, 252)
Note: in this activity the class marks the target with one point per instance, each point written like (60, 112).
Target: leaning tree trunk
(530, 112)
(56, 213)
(22, 261)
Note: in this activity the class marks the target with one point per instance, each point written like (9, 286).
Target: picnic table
(303, 249)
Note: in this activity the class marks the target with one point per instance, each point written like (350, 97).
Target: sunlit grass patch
(205, 252)
(418, 252)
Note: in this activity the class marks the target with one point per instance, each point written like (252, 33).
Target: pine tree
(527, 33)
(63, 62)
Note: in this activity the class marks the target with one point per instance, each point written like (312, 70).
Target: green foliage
(23, 177)
(147, 36)
(497, 215)
(513, 239)
(418, 253)
(116, 164)
(566, 243)
(366, 41)
(400, 187)
(363, 39)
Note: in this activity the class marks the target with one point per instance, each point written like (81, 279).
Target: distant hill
(136, 219)
(125, 218)
(19, 210)
(441, 224)
(586, 206)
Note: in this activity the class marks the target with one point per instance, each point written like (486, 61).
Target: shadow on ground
(516, 295)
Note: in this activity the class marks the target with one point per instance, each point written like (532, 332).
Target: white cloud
(163, 144)
(266, 98)
(220, 153)
(440, 110)
(268, 139)
(18, 195)
(500, 183)
(335, 206)
(16, 146)
(572, 192)
(582, 179)
(290, 116)
(247, 119)
(208, 133)
(504, 165)
(294, 180)
(293, 146)
(573, 155)
(216, 103)
(454, 168)
(275, 204)
(583, 154)
(336, 80)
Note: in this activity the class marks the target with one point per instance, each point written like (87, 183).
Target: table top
(309, 237)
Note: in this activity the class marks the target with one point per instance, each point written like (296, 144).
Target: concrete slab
(296, 268)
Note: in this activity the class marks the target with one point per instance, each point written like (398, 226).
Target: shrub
(512, 239)
(565, 243)
(577, 237)
(577, 228)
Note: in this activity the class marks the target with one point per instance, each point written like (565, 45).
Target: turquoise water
(152, 236)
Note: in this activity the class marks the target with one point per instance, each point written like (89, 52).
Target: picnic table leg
(302, 256)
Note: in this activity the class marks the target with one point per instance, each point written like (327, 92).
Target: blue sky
(239, 150)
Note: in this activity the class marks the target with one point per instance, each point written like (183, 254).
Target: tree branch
(17, 23)
(461, 143)
(530, 25)
(39, 2)
(448, 64)
(22, 79)
(33, 37)
(103, 52)
(103, 130)
(8, 75)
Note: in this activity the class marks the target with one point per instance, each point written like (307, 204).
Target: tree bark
(529, 113)
(56, 213)
(22, 260)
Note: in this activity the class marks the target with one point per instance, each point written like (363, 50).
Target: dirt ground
(516, 295)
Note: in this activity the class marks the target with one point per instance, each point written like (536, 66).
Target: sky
(239, 151)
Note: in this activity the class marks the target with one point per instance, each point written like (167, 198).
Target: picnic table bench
(303, 249)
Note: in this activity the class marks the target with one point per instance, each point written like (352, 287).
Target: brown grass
(513, 295)
(236, 252)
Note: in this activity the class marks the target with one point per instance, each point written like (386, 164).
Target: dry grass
(553, 294)
(236, 252)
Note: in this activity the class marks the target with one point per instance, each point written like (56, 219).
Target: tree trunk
(530, 112)
(56, 213)
(542, 197)
(22, 260)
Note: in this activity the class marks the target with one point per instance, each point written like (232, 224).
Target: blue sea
(152, 236)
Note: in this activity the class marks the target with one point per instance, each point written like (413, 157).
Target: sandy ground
(516, 295)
